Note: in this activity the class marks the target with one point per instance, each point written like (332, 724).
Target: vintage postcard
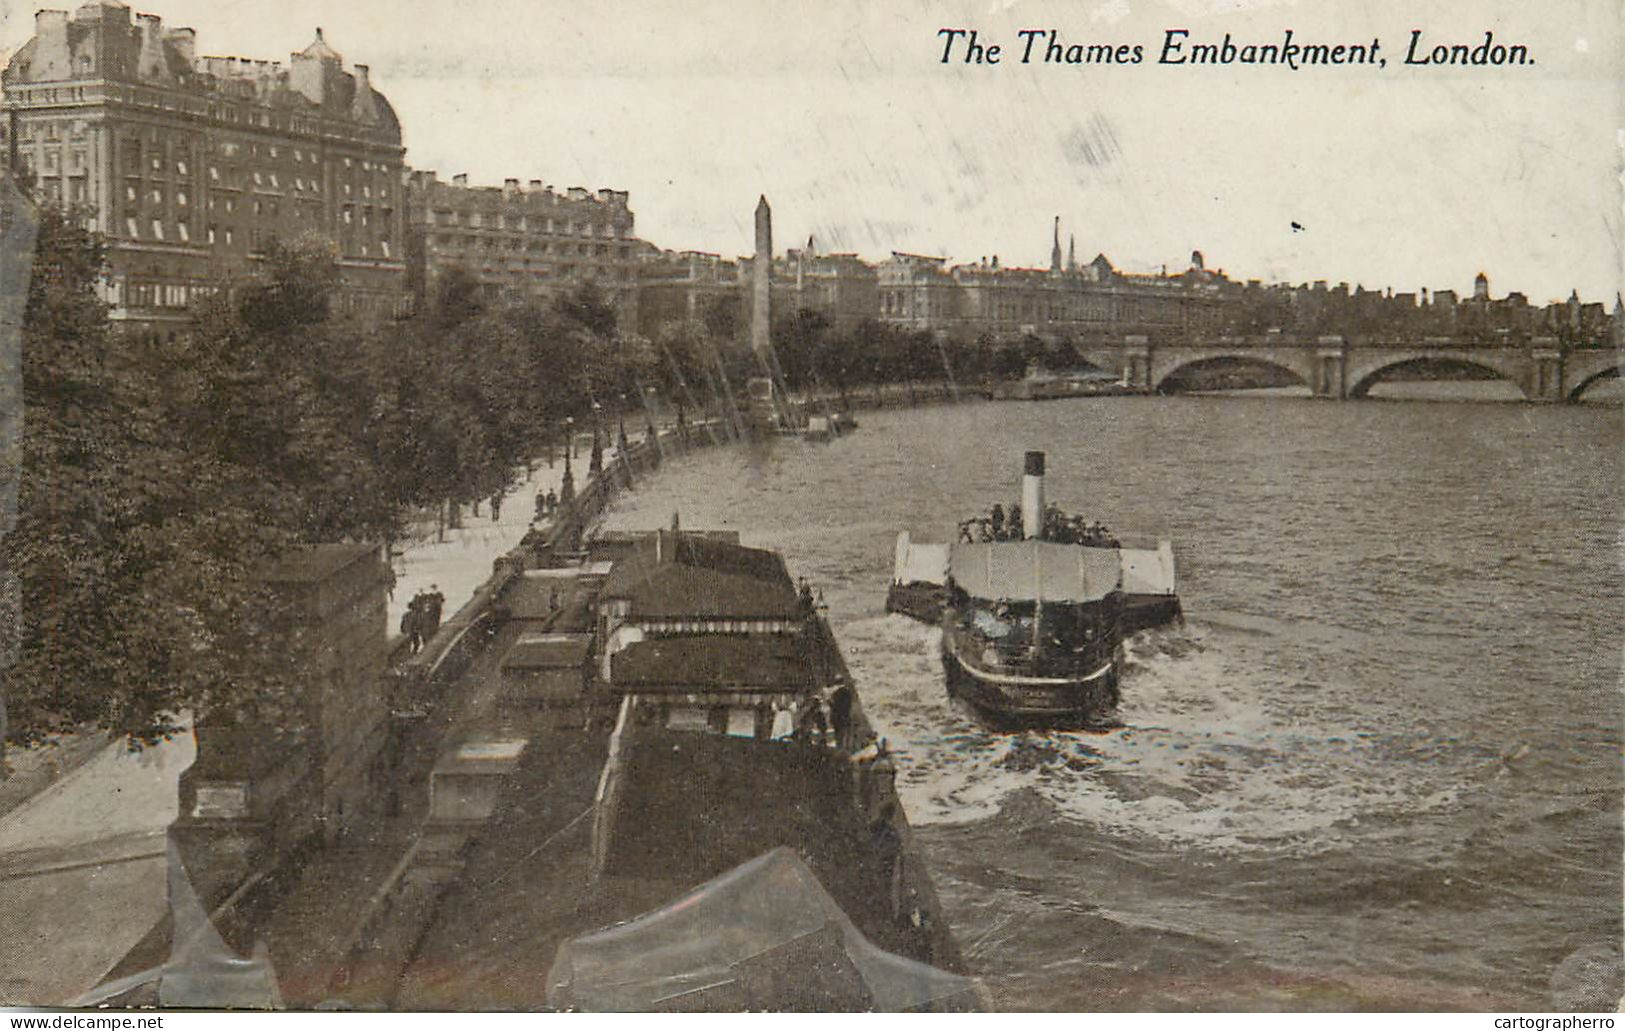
(913, 506)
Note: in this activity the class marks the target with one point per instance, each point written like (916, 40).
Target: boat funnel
(1032, 496)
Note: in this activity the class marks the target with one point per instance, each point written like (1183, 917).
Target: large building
(692, 285)
(687, 287)
(193, 165)
(522, 241)
(1067, 300)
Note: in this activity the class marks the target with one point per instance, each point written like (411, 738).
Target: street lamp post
(570, 435)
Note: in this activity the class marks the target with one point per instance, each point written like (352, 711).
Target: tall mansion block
(521, 241)
(194, 165)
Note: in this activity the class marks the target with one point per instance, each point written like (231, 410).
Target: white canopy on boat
(1149, 572)
(919, 563)
(1035, 570)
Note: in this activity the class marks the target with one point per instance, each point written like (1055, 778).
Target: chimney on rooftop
(460, 179)
(184, 41)
(510, 187)
(536, 184)
(363, 108)
(51, 60)
(151, 63)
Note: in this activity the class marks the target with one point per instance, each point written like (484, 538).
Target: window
(274, 181)
(228, 237)
(214, 174)
(258, 180)
(180, 168)
(211, 233)
(157, 230)
(180, 198)
(157, 196)
(129, 228)
(129, 194)
(157, 163)
(183, 229)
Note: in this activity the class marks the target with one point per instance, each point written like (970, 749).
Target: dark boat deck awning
(548, 651)
(1035, 570)
(713, 663)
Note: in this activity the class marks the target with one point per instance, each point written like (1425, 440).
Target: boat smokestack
(1032, 496)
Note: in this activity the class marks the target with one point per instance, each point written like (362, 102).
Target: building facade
(522, 241)
(986, 299)
(193, 165)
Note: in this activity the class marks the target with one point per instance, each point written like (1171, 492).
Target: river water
(1378, 767)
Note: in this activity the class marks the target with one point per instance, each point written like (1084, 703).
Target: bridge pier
(1543, 382)
(1137, 363)
(1331, 368)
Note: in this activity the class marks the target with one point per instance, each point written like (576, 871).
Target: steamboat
(1034, 606)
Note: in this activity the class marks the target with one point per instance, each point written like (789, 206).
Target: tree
(137, 594)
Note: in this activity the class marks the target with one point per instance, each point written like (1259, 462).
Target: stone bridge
(1335, 367)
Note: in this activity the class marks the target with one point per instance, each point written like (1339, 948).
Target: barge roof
(681, 575)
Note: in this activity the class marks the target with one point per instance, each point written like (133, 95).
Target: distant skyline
(843, 115)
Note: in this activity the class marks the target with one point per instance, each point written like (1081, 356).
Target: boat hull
(1011, 700)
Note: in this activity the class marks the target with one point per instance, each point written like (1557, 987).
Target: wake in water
(1216, 751)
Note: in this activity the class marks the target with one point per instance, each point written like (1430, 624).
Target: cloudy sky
(844, 115)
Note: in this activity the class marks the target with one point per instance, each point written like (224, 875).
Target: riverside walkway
(82, 868)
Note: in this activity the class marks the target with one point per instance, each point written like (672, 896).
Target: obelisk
(761, 287)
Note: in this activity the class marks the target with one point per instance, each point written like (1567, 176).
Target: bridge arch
(1362, 379)
(1165, 375)
(1585, 369)
(1606, 373)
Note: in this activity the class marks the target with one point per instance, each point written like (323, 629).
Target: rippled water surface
(1380, 765)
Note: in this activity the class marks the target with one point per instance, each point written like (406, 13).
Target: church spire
(1055, 251)
(1071, 252)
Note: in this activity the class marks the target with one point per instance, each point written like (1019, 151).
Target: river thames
(1378, 767)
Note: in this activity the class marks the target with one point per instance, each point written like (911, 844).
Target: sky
(844, 114)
